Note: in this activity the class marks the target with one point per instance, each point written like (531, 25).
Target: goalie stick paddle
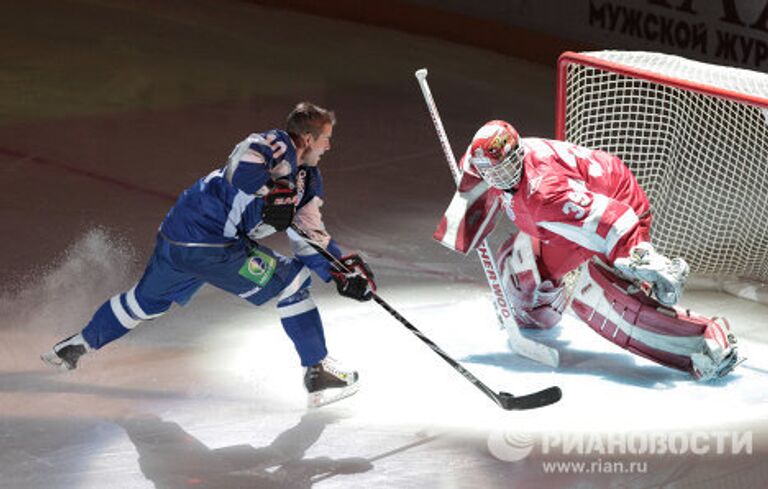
(519, 343)
(505, 400)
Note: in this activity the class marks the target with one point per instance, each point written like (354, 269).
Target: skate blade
(329, 396)
(51, 359)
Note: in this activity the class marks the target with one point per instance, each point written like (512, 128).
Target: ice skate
(329, 382)
(65, 354)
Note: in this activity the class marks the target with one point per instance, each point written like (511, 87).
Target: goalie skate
(328, 382)
(720, 354)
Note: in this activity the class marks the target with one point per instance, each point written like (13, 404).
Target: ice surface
(211, 395)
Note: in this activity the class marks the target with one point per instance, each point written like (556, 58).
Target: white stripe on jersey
(280, 170)
(251, 156)
(243, 152)
(121, 314)
(249, 293)
(130, 298)
(586, 234)
(627, 221)
(235, 215)
(299, 245)
(214, 174)
(295, 284)
(300, 307)
(592, 221)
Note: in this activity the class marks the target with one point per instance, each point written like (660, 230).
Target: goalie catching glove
(356, 281)
(666, 277)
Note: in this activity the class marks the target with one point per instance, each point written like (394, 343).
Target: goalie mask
(497, 155)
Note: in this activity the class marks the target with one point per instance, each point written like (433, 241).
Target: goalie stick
(505, 400)
(519, 343)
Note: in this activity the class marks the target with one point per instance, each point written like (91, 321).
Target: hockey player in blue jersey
(211, 235)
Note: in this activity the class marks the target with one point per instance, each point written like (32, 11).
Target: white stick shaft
(421, 76)
(522, 345)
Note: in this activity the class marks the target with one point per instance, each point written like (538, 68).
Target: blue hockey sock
(105, 327)
(301, 321)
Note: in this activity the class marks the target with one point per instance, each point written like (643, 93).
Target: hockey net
(696, 137)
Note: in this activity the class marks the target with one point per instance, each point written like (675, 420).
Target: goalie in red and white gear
(575, 206)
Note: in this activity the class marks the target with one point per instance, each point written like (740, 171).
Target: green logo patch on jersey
(259, 267)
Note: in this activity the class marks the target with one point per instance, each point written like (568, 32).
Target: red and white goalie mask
(497, 155)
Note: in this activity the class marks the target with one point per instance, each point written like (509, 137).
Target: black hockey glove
(279, 205)
(356, 283)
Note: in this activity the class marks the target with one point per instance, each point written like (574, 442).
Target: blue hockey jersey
(226, 205)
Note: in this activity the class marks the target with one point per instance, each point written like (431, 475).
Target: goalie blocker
(624, 314)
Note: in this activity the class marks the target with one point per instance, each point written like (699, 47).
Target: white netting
(702, 159)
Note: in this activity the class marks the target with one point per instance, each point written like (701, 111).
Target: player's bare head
(310, 126)
(497, 155)
(308, 118)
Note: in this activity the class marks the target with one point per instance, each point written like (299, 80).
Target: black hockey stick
(504, 399)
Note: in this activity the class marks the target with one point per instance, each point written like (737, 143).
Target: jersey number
(578, 200)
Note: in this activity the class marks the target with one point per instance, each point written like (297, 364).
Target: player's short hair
(308, 118)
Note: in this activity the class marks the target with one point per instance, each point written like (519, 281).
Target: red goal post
(696, 136)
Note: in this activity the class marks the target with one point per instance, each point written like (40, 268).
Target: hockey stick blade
(528, 348)
(539, 399)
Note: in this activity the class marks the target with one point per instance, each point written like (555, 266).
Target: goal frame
(570, 57)
(751, 289)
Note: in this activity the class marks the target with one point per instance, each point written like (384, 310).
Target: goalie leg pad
(625, 315)
(536, 303)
